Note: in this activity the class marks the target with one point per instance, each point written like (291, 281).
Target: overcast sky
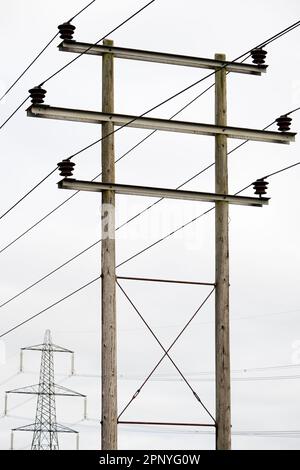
(265, 260)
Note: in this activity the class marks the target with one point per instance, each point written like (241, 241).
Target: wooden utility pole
(222, 347)
(220, 132)
(109, 415)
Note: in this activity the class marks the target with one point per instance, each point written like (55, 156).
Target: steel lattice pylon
(45, 433)
(45, 429)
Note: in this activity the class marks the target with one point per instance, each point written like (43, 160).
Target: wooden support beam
(160, 57)
(5, 403)
(95, 117)
(144, 191)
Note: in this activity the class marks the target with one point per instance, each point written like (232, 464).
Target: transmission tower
(45, 428)
(45, 433)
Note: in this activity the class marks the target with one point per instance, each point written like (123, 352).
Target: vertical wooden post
(108, 299)
(223, 408)
(85, 408)
(5, 404)
(12, 440)
(21, 360)
(72, 364)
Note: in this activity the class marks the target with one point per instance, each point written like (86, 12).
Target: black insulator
(66, 168)
(37, 95)
(258, 56)
(260, 187)
(284, 123)
(66, 31)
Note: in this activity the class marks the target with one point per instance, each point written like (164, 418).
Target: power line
(77, 192)
(279, 35)
(53, 171)
(151, 331)
(120, 158)
(158, 429)
(197, 217)
(149, 429)
(27, 68)
(282, 170)
(167, 100)
(81, 11)
(163, 238)
(210, 379)
(14, 112)
(49, 274)
(39, 55)
(49, 307)
(27, 98)
(277, 172)
(170, 379)
(133, 256)
(36, 223)
(77, 57)
(244, 370)
(268, 41)
(97, 42)
(293, 111)
(202, 373)
(88, 247)
(27, 194)
(209, 322)
(130, 219)
(97, 176)
(191, 375)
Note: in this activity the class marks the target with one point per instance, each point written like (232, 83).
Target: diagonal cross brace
(166, 351)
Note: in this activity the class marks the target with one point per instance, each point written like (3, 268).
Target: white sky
(265, 257)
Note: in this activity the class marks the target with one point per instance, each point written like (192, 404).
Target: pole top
(220, 56)
(108, 42)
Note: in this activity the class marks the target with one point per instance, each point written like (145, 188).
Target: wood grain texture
(109, 438)
(222, 344)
